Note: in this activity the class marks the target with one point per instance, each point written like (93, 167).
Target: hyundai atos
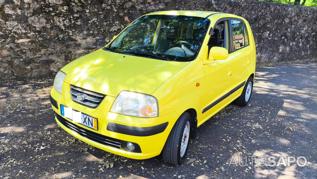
(164, 75)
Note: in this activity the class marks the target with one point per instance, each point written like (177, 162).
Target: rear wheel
(246, 94)
(176, 146)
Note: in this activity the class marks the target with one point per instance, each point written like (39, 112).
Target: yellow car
(164, 75)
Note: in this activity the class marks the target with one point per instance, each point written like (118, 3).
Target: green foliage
(294, 2)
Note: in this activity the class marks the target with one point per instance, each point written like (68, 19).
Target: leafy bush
(294, 2)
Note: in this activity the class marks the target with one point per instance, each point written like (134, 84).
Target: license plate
(79, 117)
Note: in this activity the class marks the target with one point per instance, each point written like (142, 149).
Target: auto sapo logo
(270, 161)
(300, 161)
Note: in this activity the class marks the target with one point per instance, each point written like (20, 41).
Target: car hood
(109, 73)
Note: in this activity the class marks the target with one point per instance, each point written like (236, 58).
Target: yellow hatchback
(145, 93)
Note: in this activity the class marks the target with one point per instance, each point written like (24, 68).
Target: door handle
(230, 73)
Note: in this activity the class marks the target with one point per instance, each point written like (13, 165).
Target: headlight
(135, 104)
(59, 80)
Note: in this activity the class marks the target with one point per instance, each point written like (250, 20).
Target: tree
(298, 2)
(295, 2)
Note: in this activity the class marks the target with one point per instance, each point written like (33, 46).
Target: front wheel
(177, 143)
(246, 94)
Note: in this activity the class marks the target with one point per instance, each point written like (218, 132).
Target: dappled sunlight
(92, 158)
(112, 116)
(102, 72)
(12, 129)
(24, 96)
(105, 88)
(87, 86)
(165, 75)
(272, 164)
(283, 141)
(263, 87)
(29, 93)
(298, 102)
(174, 13)
(300, 128)
(279, 123)
(288, 173)
(50, 126)
(293, 105)
(282, 112)
(236, 159)
(57, 154)
(98, 61)
(4, 93)
(308, 116)
(80, 73)
(131, 176)
(202, 177)
(128, 120)
(58, 175)
(265, 75)
(66, 139)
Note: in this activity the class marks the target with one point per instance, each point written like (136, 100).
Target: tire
(175, 151)
(246, 94)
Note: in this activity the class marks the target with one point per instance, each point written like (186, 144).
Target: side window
(239, 36)
(219, 35)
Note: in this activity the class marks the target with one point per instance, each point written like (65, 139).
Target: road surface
(275, 136)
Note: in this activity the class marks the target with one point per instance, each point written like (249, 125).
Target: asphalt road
(275, 136)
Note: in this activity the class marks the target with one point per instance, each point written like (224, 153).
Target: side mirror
(218, 53)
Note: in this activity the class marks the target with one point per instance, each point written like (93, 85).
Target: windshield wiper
(149, 55)
(112, 49)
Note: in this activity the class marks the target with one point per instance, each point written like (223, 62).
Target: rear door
(239, 52)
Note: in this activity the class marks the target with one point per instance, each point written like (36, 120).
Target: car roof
(203, 14)
(183, 13)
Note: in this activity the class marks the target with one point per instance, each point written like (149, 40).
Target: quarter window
(239, 36)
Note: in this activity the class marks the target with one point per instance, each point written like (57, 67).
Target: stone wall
(37, 37)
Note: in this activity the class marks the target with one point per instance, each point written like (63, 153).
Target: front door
(216, 75)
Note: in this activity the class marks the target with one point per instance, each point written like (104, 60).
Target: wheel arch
(252, 76)
(193, 114)
(193, 120)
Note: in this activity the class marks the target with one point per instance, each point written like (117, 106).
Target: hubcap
(185, 139)
(248, 91)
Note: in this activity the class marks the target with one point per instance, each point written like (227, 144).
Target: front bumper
(108, 141)
(148, 139)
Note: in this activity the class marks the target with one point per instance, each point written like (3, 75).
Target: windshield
(163, 37)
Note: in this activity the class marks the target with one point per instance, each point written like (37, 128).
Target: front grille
(90, 135)
(86, 97)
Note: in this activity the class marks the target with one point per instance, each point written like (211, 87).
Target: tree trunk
(297, 2)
